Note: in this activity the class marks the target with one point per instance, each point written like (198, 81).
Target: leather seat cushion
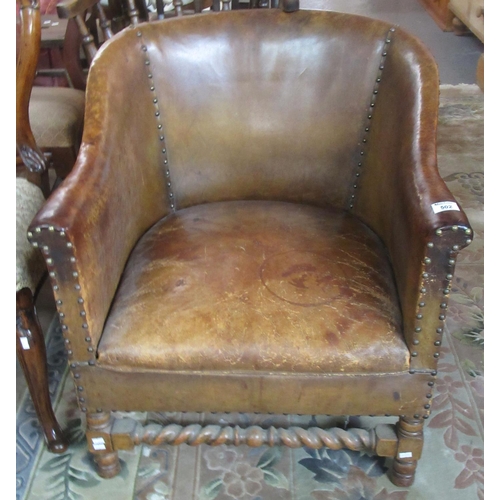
(257, 286)
(56, 116)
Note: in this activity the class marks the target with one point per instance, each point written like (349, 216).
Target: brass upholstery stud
(439, 232)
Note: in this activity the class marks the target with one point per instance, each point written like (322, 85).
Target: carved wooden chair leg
(100, 445)
(30, 345)
(410, 443)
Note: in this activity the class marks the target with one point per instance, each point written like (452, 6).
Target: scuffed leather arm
(397, 186)
(114, 193)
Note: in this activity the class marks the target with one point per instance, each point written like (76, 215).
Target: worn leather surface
(310, 394)
(254, 106)
(263, 286)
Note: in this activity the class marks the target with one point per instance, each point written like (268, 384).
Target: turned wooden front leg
(100, 445)
(32, 356)
(410, 442)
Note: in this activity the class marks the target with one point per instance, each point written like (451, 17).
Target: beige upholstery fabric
(56, 116)
(29, 261)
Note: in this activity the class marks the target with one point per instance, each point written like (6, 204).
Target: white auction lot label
(444, 206)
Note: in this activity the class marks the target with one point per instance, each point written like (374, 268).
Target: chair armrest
(114, 193)
(398, 185)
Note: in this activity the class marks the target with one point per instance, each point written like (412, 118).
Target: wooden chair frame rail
(402, 441)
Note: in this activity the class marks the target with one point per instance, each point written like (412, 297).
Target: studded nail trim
(447, 277)
(366, 131)
(159, 124)
(60, 305)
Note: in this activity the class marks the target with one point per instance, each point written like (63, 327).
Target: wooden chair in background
(49, 119)
(32, 186)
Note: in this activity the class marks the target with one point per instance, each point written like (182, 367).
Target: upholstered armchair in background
(256, 223)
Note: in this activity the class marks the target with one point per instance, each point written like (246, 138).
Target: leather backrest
(255, 104)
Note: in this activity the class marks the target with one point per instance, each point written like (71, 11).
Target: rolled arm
(398, 188)
(114, 193)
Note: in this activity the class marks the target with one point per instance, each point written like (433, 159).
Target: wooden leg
(410, 441)
(31, 353)
(99, 442)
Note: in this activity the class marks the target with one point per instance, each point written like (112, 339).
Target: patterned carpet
(452, 462)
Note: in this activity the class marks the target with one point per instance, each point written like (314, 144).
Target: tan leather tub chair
(256, 223)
